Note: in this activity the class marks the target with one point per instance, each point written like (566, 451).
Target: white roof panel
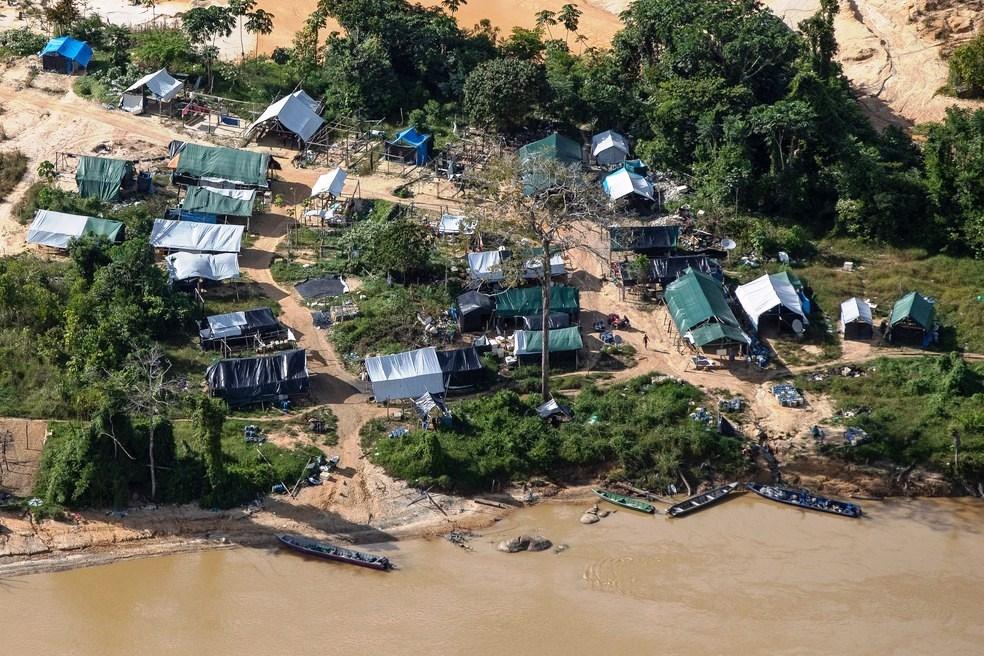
(55, 229)
(196, 237)
(332, 182)
(452, 224)
(607, 140)
(295, 114)
(854, 309)
(183, 266)
(622, 183)
(767, 293)
(487, 265)
(406, 375)
(160, 84)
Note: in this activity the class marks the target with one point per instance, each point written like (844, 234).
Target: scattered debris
(855, 436)
(788, 396)
(731, 405)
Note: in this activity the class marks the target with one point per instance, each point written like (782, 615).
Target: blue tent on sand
(63, 54)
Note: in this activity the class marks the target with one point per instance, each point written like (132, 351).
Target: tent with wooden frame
(219, 202)
(330, 184)
(462, 368)
(183, 266)
(489, 266)
(609, 148)
(196, 237)
(261, 379)
(622, 183)
(406, 375)
(221, 167)
(772, 297)
(410, 147)
(64, 54)
(58, 229)
(645, 240)
(474, 309)
(556, 148)
(103, 177)
(237, 331)
(563, 346)
(159, 86)
(523, 301)
(293, 114)
(702, 316)
(912, 320)
(856, 320)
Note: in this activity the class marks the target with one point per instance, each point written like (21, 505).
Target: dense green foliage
(967, 68)
(22, 42)
(915, 410)
(642, 427)
(503, 94)
(13, 165)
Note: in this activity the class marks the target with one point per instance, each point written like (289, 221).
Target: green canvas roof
(696, 298)
(524, 301)
(242, 166)
(556, 146)
(101, 177)
(791, 279)
(200, 199)
(914, 306)
(103, 228)
(712, 333)
(529, 342)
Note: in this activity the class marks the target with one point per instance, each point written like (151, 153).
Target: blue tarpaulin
(176, 214)
(69, 48)
(421, 142)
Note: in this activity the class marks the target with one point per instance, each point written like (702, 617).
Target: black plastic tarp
(461, 367)
(642, 239)
(475, 302)
(254, 380)
(313, 288)
(665, 270)
(555, 320)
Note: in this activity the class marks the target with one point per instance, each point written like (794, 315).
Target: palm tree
(453, 5)
(569, 17)
(239, 9)
(259, 22)
(580, 38)
(546, 18)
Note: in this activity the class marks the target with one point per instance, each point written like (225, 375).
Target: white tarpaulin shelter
(451, 224)
(295, 113)
(487, 266)
(196, 237)
(185, 266)
(407, 375)
(768, 293)
(160, 86)
(854, 309)
(330, 183)
(57, 229)
(622, 183)
(609, 148)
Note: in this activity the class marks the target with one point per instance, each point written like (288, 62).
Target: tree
(162, 48)
(545, 19)
(357, 77)
(204, 25)
(259, 22)
(566, 204)
(149, 392)
(453, 5)
(569, 16)
(62, 14)
(47, 171)
(819, 33)
(967, 68)
(153, 8)
(503, 94)
(209, 418)
(118, 41)
(240, 9)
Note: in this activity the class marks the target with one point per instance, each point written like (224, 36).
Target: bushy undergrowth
(642, 429)
(914, 409)
(13, 165)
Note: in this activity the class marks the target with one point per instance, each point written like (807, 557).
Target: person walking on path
(645, 341)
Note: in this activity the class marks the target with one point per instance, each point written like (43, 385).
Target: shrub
(967, 68)
(13, 165)
(22, 42)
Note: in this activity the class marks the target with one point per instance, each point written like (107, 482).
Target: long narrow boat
(699, 501)
(331, 552)
(625, 502)
(805, 499)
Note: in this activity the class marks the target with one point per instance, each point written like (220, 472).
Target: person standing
(645, 341)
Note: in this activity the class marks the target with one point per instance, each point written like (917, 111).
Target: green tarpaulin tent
(241, 166)
(916, 307)
(555, 147)
(697, 305)
(529, 342)
(524, 301)
(204, 201)
(101, 177)
(103, 228)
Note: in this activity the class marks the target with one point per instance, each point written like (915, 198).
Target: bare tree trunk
(545, 320)
(153, 468)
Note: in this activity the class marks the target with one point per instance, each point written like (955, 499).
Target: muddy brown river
(747, 577)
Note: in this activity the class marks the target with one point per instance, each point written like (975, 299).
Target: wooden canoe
(332, 552)
(624, 501)
(805, 499)
(699, 501)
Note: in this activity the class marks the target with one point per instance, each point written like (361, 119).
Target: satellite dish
(797, 326)
(729, 244)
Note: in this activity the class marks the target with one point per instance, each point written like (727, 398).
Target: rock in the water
(539, 543)
(589, 517)
(519, 543)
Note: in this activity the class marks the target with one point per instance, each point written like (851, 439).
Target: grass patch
(640, 429)
(13, 165)
(913, 409)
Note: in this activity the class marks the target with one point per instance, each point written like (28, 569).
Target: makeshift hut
(293, 115)
(774, 299)
(330, 184)
(702, 316)
(454, 224)
(219, 202)
(653, 241)
(665, 270)
(406, 375)
(261, 379)
(555, 320)
(229, 168)
(524, 301)
(554, 412)
(159, 87)
(474, 309)
(855, 319)
(461, 367)
(489, 266)
(238, 331)
(622, 183)
(315, 289)
(912, 320)
(199, 266)
(57, 229)
(63, 54)
(563, 347)
(609, 148)
(410, 147)
(196, 237)
(556, 148)
(105, 178)
(430, 409)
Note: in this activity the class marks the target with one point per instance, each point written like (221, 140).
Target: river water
(747, 577)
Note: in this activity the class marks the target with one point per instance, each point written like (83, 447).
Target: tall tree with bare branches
(544, 204)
